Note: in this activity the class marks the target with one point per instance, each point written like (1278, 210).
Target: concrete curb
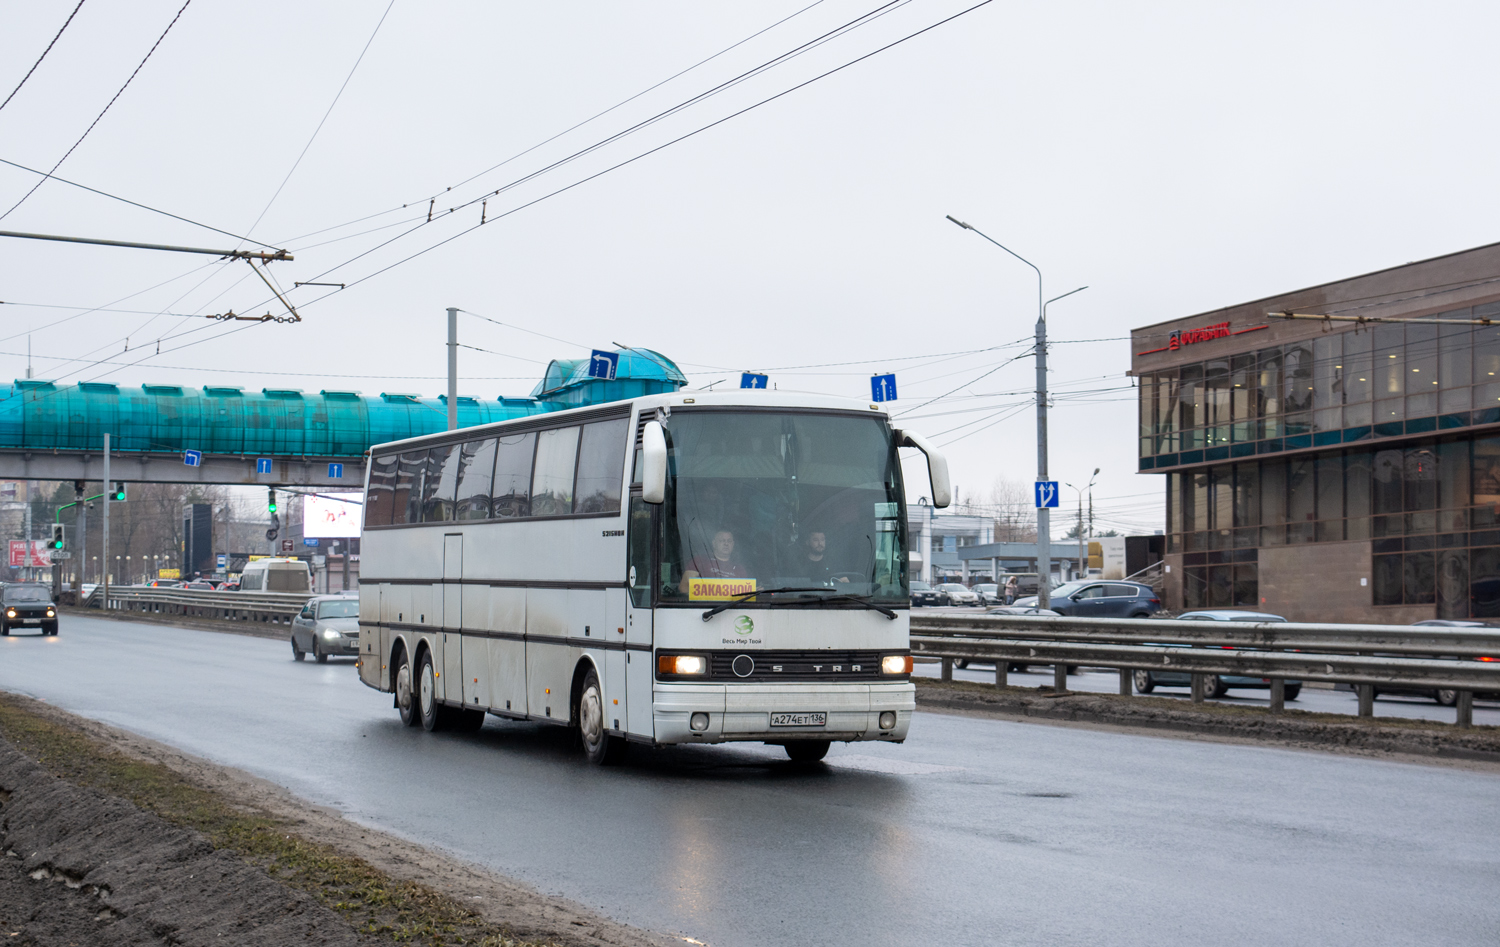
(1366, 737)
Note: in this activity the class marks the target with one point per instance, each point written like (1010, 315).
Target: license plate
(818, 719)
(31, 621)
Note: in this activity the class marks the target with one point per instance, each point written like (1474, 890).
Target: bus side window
(511, 494)
(382, 492)
(552, 477)
(406, 502)
(476, 472)
(601, 464)
(640, 553)
(440, 483)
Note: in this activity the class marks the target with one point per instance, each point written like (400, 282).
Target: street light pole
(1043, 514)
(1082, 570)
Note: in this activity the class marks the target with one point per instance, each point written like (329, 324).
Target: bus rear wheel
(405, 699)
(600, 748)
(806, 751)
(426, 695)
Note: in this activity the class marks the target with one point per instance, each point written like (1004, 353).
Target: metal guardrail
(223, 606)
(1366, 656)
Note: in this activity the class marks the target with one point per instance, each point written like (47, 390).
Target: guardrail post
(947, 669)
(1278, 695)
(1465, 709)
(1198, 688)
(1125, 682)
(1001, 667)
(1059, 678)
(1366, 699)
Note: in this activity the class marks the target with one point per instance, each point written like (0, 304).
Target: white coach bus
(672, 569)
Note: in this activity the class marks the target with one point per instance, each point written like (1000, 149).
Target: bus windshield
(760, 501)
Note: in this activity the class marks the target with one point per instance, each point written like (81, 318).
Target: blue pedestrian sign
(752, 380)
(335, 471)
(1046, 494)
(192, 458)
(603, 364)
(309, 542)
(882, 387)
(263, 465)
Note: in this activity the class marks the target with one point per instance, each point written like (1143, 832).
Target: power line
(124, 200)
(43, 55)
(101, 114)
(321, 122)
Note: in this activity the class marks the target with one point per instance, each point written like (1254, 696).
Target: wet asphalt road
(974, 832)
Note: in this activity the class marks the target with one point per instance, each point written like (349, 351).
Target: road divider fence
(276, 607)
(1463, 660)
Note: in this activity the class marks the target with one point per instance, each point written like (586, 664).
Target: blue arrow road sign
(336, 472)
(752, 380)
(263, 465)
(603, 364)
(192, 458)
(1046, 494)
(882, 387)
(309, 542)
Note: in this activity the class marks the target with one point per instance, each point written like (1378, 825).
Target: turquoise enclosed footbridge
(226, 434)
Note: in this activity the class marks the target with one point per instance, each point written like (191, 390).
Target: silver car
(958, 594)
(327, 625)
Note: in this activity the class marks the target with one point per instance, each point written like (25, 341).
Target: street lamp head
(1096, 471)
(959, 222)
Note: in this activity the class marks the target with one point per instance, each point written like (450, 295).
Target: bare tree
(1012, 506)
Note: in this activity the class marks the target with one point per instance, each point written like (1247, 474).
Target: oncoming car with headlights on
(27, 606)
(328, 625)
(678, 568)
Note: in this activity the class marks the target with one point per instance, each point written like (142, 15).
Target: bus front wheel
(600, 748)
(806, 751)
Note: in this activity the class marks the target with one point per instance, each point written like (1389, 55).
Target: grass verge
(401, 912)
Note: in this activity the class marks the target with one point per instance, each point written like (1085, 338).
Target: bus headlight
(888, 720)
(681, 664)
(895, 664)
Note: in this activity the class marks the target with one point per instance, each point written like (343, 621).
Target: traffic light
(118, 494)
(57, 536)
(271, 502)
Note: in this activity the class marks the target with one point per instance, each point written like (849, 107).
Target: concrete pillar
(1126, 683)
(1060, 677)
(947, 669)
(1366, 694)
(1278, 695)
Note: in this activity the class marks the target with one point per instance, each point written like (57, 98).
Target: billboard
(332, 515)
(30, 553)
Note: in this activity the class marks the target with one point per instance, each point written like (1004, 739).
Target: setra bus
(675, 568)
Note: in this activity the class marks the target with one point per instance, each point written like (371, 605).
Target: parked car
(1215, 685)
(924, 594)
(27, 606)
(276, 574)
(327, 625)
(164, 584)
(959, 594)
(1097, 599)
(1443, 695)
(200, 586)
(990, 593)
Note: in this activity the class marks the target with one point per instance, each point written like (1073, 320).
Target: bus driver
(819, 566)
(720, 565)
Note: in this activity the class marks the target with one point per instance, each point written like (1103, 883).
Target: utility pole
(104, 549)
(81, 555)
(452, 369)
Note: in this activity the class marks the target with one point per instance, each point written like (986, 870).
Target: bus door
(453, 617)
(637, 617)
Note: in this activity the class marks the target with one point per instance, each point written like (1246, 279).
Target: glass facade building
(1334, 470)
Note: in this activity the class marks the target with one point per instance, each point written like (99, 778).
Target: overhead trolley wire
(101, 114)
(43, 55)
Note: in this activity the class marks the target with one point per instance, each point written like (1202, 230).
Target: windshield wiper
(740, 598)
(857, 599)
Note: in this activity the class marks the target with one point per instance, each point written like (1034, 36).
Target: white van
(276, 575)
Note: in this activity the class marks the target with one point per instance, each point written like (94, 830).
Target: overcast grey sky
(1174, 157)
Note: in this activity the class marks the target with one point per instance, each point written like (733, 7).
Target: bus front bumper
(753, 713)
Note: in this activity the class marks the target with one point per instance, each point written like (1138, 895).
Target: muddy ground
(110, 839)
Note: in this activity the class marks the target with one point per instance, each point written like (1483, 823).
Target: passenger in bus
(720, 565)
(819, 567)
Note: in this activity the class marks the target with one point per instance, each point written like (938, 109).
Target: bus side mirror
(937, 468)
(653, 463)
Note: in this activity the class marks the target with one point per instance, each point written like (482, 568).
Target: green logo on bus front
(743, 625)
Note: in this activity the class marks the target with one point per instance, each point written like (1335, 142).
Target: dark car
(27, 606)
(1215, 685)
(924, 594)
(1099, 599)
(1443, 695)
(327, 625)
